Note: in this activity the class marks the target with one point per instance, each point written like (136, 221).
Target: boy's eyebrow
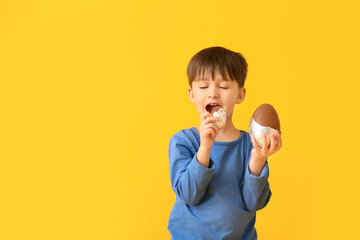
(205, 78)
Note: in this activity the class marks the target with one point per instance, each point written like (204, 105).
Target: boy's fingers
(212, 119)
(272, 144)
(212, 132)
(203, 116)
(211, 128)
(256, 146)
(279, 141)
(265, 147)
(214, 127)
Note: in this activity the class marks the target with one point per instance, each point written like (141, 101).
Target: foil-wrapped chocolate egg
(265, 120)
(219, 112)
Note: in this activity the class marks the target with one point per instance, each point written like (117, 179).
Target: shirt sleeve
(256, 189)
(189, 179)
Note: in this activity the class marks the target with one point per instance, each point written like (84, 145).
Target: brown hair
(218, 58)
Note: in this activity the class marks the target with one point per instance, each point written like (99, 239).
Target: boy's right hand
(208, 130)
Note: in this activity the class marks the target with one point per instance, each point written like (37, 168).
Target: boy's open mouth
(210, 107)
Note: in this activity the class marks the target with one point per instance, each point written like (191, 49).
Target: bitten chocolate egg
(219, 112)
(265, 120)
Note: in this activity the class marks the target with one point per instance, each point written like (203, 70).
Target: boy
(219, 175)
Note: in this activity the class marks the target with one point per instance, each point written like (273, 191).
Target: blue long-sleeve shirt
(218, 202)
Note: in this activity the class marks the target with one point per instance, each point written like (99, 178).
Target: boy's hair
(218, 58)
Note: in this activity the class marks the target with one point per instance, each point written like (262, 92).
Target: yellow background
(92, 91)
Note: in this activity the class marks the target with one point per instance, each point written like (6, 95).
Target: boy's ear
(191, 94)
(241, 95)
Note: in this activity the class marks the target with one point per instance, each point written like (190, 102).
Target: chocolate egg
(265, 120)
(220, 113)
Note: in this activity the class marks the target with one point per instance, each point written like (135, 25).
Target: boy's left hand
(265, 151)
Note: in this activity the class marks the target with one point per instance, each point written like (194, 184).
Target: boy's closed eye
(220, 87)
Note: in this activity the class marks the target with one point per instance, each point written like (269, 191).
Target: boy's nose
(213, 93)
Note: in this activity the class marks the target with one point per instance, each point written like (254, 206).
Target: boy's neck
(228, 133)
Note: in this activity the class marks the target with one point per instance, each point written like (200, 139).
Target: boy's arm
(203, 156)
(189, 178)
(256, 188)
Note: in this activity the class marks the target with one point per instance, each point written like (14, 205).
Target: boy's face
(206, 90)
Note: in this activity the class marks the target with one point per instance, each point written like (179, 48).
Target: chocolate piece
(215, 109)
(210, 108)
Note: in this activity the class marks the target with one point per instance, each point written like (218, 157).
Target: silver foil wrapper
(257, 131)
(222, 115)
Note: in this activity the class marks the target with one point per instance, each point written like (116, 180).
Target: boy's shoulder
(185, 131)
(187, 138)
(185, 134)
